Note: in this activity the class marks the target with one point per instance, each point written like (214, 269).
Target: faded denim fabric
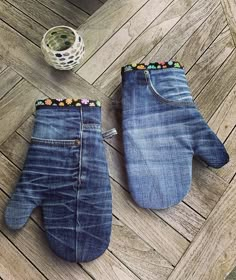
(162, 131)
(66, 173)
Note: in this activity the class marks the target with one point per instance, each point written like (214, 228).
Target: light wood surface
(213, 252)
(192, 240)
(229, 7)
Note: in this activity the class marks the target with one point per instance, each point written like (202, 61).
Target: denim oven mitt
(66, 173)
(162, 131)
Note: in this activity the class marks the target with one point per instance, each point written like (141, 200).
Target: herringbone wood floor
(194, 240)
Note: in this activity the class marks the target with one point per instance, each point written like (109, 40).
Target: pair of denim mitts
(162, 131)
(66, 173)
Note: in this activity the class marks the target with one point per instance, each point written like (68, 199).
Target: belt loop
(147, 75)
(109, 133)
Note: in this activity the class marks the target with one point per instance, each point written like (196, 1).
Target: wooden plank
(8, 79)
(230, 13)
(159, 235)
(218, 88)
(33, 8)
(15, 148)
(134, 260)
(88, 6)
(212, 254)
(21, 22)
(26, 129)
(67, 11)
(32, 242)
(13, 113)
(208, 64)
(183, 30)
(183, 219)
(3, 66)
(200, 41)
(228, 171)
(206, 190)
(107, 267)
(14, 265)
(136, 254)
(171, 19)
(121, 40)
(223, 121)
(113, 14)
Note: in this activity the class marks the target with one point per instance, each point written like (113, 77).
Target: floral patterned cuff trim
(66, 102)
(152, 66)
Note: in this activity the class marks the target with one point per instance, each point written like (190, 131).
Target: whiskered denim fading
(66, 173)
(162, 131)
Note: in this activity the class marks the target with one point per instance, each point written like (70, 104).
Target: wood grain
(13, 113)
(15, 148)
(3, 66)
(136, 254)
(88, 6)
(33, 8)
(25, 57)
(21, 22)
(200, 41)
(11, 257)
(213, 252)
(208, 64)
(108, 267)
(8, 79)
(206, 189)
(159, 235)
(228, 171)
(162, 33)
(26, 129)
(230, 13)
(181, 32)
(69, 12)
(218, 88)
(105, 22)
(223, 121)
(121, 40)
(183, 219)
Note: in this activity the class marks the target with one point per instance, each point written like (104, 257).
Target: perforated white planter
(62, 47)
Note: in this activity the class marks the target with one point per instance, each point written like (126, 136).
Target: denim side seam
(79, 184)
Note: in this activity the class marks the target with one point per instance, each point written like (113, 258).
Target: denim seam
(162, 99)
(79, 183)
(55, 142)
(91, 126)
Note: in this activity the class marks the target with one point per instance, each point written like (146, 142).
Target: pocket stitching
(75, 142)
(164, 100)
